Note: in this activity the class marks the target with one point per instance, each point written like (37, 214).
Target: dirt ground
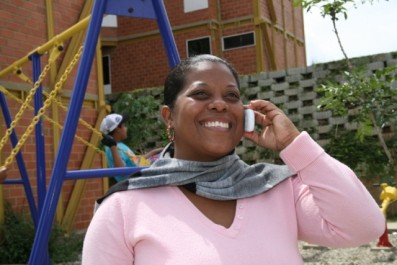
(368, 254)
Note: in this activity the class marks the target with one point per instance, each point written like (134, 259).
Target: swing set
(43, 214)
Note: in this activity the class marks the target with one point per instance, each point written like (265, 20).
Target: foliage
(17, 236)
(373, 101)
(366, 158)
(370, 95)
(143, 123)
(331, 8)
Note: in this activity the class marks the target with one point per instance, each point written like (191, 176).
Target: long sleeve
(332, 205)
(105, 242)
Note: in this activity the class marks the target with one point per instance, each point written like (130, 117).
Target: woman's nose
(218, 105)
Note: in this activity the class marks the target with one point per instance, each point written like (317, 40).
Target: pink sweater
(324, 204)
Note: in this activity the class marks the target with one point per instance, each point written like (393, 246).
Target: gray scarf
(228, 178)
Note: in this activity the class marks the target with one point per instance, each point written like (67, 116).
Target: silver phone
(249, 120)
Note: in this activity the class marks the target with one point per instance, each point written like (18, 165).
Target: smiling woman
(199, 203)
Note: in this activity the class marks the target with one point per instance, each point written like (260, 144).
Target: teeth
(216, 124)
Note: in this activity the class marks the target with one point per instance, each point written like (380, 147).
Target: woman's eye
(199, 94)
(234, 96)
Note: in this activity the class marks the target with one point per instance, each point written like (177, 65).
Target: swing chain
(41, 111)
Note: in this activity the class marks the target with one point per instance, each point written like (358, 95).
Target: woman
(200, 204)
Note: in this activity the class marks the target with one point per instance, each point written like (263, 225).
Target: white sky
(368, 29)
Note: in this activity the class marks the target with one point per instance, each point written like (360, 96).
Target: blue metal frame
(166, 33)
(40, 149)
(21, 163)
(59, 173)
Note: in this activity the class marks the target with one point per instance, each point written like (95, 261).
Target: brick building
(255, 36)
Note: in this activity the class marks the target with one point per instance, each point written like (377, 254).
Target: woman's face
(208, 117)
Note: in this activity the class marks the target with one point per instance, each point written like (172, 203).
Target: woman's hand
(277, 132)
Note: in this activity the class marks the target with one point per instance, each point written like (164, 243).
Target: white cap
(110, 122)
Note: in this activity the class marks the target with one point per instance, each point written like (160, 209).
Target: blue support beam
(21, 163)
(40, 149)
(166, 33)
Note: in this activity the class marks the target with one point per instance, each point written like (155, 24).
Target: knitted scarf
(225, 179)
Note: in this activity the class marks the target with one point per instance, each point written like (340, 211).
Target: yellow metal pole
(2, 212)
(77, 39)
(78, 189)
(285, 38)
(77, 193)
(54, 108)
(259, 39)
(269, 46)
(99, 65)
(48, 45)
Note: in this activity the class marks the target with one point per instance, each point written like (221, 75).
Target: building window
(193, 5)
(198, 46)
(109, 21)
(238, 41)
(106, 74)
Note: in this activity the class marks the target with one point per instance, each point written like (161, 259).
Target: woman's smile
(216, 125)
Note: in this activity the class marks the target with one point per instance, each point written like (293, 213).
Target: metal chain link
(23, 107)
(57, 124)
(29, 98)
(40, 113)
(83, 122)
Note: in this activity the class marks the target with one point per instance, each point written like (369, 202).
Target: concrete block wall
(294, 91)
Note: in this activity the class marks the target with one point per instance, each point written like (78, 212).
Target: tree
(371, 94)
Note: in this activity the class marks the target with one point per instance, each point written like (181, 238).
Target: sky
(369, 29)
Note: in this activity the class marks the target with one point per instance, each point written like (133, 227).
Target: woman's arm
(332, 205)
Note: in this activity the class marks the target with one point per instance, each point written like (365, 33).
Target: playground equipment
(388, 196)
(44, 215)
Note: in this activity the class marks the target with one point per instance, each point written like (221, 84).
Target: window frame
(195, 39)
(234, 35)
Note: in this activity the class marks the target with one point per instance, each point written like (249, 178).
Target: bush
(145, 129)
(366, 157)
(17, 236)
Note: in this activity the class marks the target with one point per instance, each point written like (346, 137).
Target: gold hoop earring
(170, 133)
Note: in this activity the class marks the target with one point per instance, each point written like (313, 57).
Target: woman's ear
(166, 114)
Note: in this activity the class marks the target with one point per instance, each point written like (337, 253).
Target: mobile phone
(249, 120)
